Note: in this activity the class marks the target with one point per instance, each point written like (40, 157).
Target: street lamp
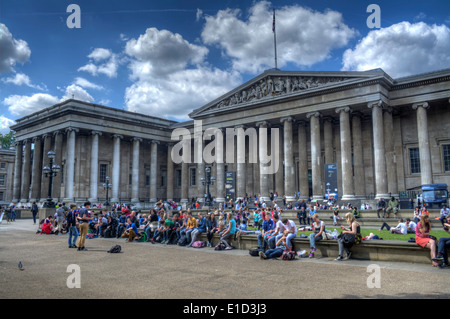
(50, 171)
(107, 186)
(208, 180)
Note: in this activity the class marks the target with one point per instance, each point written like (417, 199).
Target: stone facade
(384, 135)
(7, 158)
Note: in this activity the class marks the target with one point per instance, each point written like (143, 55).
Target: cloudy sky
(166, 58)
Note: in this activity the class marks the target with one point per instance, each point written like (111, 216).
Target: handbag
(347, 239)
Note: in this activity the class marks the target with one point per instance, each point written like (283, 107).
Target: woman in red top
(423, 237)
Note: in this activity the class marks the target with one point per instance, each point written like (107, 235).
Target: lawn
(385, 234)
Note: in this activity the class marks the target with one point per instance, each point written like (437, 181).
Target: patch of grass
(386, 235)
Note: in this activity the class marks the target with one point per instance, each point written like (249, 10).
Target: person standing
(34, 211)
(83, 218)
(72, 226)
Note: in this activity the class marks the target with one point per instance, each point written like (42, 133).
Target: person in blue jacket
(131, 232)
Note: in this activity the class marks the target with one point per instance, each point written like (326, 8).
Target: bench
(374, 250)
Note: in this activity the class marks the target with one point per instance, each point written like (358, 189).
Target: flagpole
(274, 39)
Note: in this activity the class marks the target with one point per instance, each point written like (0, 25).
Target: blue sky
(166, 58)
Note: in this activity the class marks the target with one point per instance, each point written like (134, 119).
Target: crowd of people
(274, 232)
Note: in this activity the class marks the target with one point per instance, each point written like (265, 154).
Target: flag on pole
(273, 24)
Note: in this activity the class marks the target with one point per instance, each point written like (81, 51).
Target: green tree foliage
(8, 140)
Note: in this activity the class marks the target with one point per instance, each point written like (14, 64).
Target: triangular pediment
(277, 84)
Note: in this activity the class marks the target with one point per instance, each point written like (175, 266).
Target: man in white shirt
(401, 228)
(411, 226)
(279, 227)
(290, 229)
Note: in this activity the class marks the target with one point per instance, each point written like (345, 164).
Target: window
(414, 160)
(103, 172)
(2, 180)
(1, 197)
(193, 177)
(163, 178)
(147, 176)
(178, 177)
(2, 165)
(446, 157)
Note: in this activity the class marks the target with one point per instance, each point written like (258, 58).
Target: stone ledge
(374, 250)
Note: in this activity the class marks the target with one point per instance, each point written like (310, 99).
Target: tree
(7, 140)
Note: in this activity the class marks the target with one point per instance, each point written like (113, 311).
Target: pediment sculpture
(277, 85)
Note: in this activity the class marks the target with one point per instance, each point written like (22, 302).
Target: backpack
(115, 249)
(288, 255)
(198, 244)
(71, 217)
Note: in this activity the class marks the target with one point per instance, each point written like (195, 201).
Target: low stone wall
(374, 250)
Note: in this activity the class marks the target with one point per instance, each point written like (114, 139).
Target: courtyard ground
(155, 271)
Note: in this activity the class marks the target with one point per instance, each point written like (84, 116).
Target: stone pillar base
(289, 199)
(45, 212)
(348, 197)
(384, 196)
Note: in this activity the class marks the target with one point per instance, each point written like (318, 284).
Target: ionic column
(241, 165)
(153, 170)
(17, 172)
(379, 151)
(328, 139)
(184, 182)
(289, 170)
(303, 161)
(346, 153)
(198, 153)
(47, 138)
(36, 170)
(358, 161)
(25, 188)
(279, 175)
(263, 147)
(56, 188)
(70, 163)
(424, 144)
(315, 155)
(94, 166)
(115, 178)
(391, 168)
(135, 170)
(220, 169)
(169, 183)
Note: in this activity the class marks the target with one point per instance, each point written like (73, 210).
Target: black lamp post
(50, 172)
(208, 180)
(107, 186)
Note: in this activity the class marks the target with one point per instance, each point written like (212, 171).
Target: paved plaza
(156, 271)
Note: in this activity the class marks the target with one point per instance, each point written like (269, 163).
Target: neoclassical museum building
(357, 135)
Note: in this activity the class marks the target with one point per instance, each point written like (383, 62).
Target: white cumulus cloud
(304, 37)
(5, 123)
(402, 49)
(170, 75)
(11, 50)
(22, 105)
(102, 61)
(23, 79)
(161, 52)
